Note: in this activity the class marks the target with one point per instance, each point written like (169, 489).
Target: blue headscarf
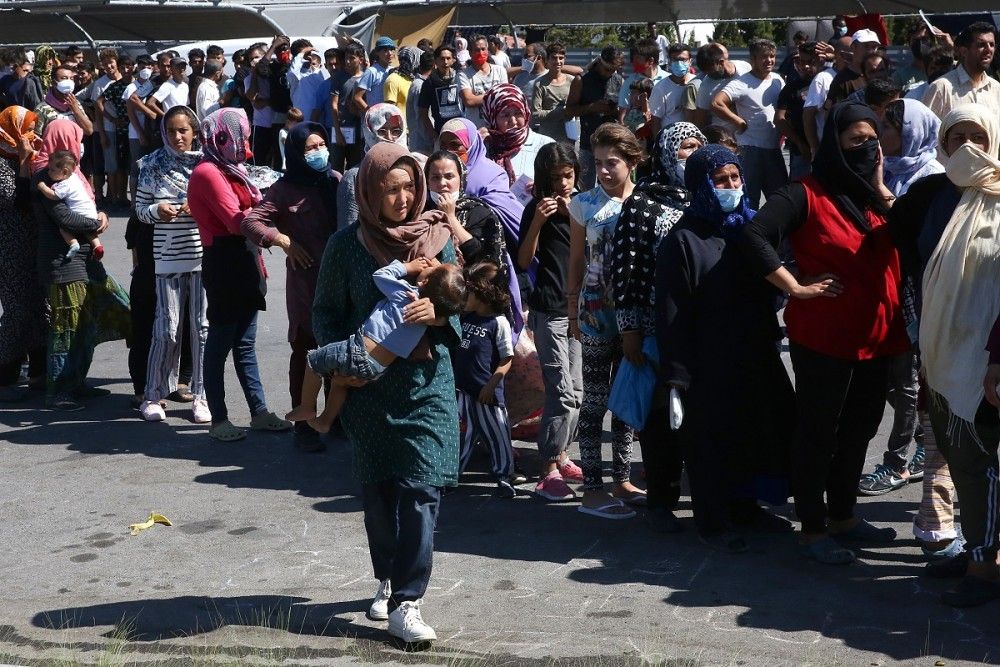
(698, 179)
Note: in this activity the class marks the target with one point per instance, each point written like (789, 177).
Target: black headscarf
(852, 191)
(298, 172)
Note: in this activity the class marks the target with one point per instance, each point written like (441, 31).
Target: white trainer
(379, 611)
(152, 411)
(199, 408)
(406, 624)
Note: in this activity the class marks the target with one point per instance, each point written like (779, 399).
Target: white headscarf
(960, 296)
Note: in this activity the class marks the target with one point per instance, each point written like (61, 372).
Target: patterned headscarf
(698, 179)
(379, 115)
(224, 135)
(16, 123)
(919, 136)
(501, 146)
(41, 70)
(409, 61)
(664, 152)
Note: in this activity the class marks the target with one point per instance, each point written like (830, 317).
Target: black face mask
(863, 158)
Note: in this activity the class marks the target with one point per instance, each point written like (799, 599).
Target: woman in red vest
(844, 322)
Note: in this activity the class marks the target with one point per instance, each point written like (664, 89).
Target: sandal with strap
(828, 552)
(606, 511)
(225, 432)
(268, 421)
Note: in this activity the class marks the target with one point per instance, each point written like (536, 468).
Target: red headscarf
(61, 135)
(501, 146)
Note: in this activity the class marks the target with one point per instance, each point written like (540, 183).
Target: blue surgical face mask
(679, 169)
(679, 68)
(729, 199)
(318, 159)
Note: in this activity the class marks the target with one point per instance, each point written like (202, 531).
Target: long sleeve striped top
(163, 178)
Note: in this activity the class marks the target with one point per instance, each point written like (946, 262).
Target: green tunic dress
(405, 424)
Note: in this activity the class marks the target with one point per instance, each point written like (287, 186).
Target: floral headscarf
(16, 123)
(41, 70)
(501, 146)
(379, 115)
(664, 153)
(224, 136)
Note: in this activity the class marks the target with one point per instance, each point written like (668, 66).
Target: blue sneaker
(916, 465)
(956, 547)
(883, 480)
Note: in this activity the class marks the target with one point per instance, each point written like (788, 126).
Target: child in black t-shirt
(480, 363)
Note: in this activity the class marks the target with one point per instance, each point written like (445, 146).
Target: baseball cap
(864, 36)
(178, 62)
(385, 43)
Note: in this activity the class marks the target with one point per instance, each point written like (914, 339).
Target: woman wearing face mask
(657, 202)
(511, 143)
(161, 201)
(735, 444)
(383, 123)
(946, 229)
(297, 215)
(220, 194)
(844, 322)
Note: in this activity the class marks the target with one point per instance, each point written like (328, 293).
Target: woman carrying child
(88, 307)
(404, 427)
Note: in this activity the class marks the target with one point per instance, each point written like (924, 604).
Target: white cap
(864, 36)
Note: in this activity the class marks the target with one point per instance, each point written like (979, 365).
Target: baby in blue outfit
(384, 336)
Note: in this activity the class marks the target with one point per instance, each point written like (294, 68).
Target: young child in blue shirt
(481, 362)
(384, 336)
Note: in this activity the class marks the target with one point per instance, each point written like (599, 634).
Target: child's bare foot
(320, 425)
(301, 413)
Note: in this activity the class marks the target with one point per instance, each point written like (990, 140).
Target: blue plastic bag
(631, 396)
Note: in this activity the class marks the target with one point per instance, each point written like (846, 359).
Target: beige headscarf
(961, 299)
(418, 235)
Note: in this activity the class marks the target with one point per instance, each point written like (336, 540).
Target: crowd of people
(630, 230)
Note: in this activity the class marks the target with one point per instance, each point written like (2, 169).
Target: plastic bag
(631, 396)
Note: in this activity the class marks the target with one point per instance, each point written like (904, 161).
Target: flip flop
(226, 432)
(268, 421)
(633, 498)
(604, 513)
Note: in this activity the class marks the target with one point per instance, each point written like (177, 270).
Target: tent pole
(86, 35)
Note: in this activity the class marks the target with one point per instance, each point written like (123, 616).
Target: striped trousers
(489, 424)
(177, 294)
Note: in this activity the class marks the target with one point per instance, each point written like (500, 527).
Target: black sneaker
(971, 592)
(883, 480)
(505, 489)
(916, 465)
(663, 521)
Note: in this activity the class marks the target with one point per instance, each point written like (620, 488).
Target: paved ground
(267, 562)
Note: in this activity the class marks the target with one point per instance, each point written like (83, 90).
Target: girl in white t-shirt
(69, 188)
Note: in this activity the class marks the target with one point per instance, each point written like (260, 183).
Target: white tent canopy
(103, 21)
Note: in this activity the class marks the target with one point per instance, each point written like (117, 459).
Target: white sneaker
(406, 624)
(379, 611)
(152, 411)
(202, 415)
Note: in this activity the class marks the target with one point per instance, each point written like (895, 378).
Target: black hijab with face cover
(853, 192)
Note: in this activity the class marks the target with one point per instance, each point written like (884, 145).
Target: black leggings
(839, 405)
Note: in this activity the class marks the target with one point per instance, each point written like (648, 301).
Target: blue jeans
(765, 172)
(346, 357)
(400, 517)
(239, 338)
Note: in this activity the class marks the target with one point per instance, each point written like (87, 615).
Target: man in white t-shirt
(713, 60)
(474, 81)
(661, 42)
(666, 102)
(174, 91)
(497, 55)
(206, 99)
(748, 102)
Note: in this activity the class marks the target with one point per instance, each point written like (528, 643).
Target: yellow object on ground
(154, 518)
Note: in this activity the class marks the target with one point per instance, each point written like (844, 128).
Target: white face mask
(65, 86)
(145, 73)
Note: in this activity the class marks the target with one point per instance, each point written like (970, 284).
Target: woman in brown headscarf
(405, 426)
